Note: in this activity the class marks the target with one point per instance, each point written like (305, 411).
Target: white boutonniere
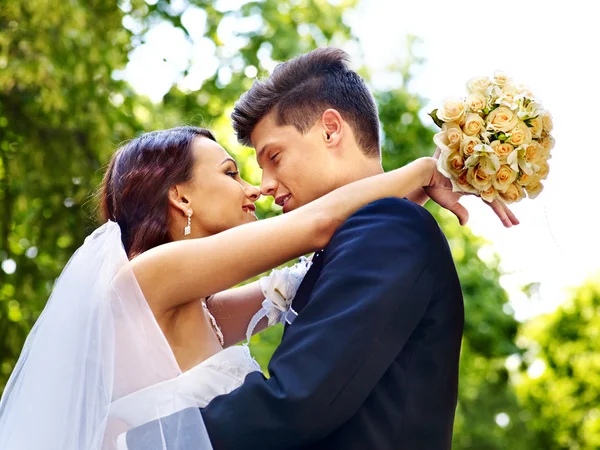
(279, 289)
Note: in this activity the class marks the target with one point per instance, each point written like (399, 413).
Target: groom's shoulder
(387, 224)
(393, 209)
(388, 218)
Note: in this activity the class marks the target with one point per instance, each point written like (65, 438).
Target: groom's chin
(289, 205)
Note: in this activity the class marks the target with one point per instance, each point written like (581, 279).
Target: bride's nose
(252, 192)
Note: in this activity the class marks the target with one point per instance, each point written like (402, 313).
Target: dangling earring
(187, 230)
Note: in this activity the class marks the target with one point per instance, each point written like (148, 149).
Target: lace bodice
(218, 375)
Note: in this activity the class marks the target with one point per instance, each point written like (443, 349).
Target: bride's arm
(233, 309)
(418, 196)
(178, 272)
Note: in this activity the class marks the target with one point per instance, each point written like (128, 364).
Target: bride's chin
(249, 218)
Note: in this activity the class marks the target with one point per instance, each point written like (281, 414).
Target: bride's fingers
(460, 212)
(501, 211)
(511, 215)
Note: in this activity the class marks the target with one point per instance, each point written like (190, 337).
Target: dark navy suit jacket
(371, 361)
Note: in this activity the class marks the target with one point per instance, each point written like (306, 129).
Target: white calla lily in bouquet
(496, 142)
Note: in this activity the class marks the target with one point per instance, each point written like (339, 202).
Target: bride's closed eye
(232, 174)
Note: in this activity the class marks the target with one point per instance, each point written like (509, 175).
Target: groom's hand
(440, 191)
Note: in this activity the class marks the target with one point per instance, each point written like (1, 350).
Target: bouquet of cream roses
(496, 142)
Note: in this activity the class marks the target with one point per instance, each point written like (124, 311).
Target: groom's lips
(282, 200)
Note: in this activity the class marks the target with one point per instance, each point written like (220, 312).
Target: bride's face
(218, 197)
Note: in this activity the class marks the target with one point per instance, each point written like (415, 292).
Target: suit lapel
(306, 287)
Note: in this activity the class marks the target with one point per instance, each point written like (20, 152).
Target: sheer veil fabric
(96, 342)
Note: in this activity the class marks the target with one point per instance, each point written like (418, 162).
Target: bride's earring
(187, 230)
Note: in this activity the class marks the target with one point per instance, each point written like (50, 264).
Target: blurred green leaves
(561, 387)
(57, 129)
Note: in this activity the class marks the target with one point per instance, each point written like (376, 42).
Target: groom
(371, 361)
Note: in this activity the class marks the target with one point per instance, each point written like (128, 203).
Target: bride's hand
(440, 191)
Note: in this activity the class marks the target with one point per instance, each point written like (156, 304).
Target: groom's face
(297, 168)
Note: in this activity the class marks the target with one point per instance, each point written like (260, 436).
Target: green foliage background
(64, 109)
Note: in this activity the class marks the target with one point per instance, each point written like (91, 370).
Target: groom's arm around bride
(371, 361)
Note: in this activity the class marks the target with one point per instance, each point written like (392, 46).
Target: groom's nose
(268, 187)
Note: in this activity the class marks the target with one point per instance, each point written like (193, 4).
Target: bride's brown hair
(135, 188)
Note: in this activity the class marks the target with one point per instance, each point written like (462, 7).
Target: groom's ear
(332, 126)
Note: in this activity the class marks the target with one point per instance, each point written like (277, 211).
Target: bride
(142, 322)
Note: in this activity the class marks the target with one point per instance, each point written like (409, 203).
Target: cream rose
(504, 178)
(454, 164)
(479, 84)
(467, 146)
(502, 119)
(502, 150)
(473, 124)
(476, 102)
(547, 143)
(461, 184)
(533, 152)
(443, 142)
(525, 180)
(521, 134)
(543, 170)
(547, 122)
(490, 194)
(453, 111)
(536, 126)
(534, 189)
(479, 179)
(481, 176)
(500, 78)
(454, 134)
(513, 193)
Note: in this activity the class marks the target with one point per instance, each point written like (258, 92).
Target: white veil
(95, 342)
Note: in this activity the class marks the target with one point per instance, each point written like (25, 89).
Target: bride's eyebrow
(229, 160)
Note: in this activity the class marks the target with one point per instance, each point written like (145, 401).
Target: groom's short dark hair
(301, 89)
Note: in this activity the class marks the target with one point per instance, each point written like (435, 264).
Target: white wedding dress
(217, 375)
(220, 374)
(96, 365)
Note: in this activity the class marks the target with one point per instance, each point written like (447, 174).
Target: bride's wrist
(428, 168)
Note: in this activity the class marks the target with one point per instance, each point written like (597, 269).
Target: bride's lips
(282, 201)
(250, 209)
